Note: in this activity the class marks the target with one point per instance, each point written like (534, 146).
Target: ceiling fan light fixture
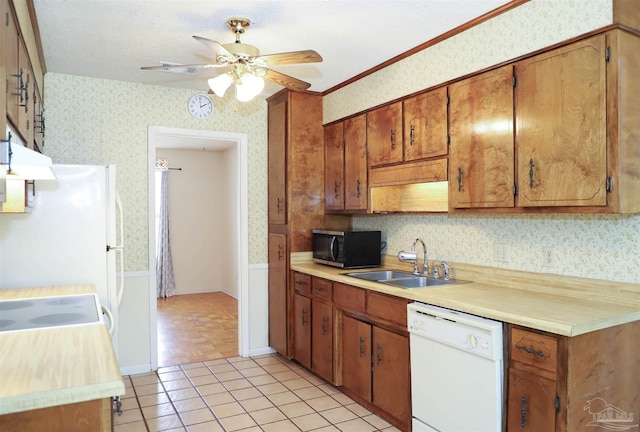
(248, 87)
(220, 84)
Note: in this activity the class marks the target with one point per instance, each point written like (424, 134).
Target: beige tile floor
(267, 393)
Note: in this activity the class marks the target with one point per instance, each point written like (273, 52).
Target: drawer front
(349, 297)
(387, 307)
(534, 349)
(302, 284)
(322, 288)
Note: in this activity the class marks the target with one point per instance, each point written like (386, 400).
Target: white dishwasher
(456, 371)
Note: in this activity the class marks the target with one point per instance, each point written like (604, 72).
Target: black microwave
(347, 249)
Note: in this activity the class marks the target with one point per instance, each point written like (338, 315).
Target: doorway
(187, 139)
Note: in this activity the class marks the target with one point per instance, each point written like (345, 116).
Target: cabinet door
(355, 166)
(302, 330)
(481, 152)
(322, 340)
(391, 378)
(334, 167)
(384, 134)
(425, 125)
(25, 109)
(531, 402)
(277, 162)
(561, 126)
(38, 118)
(278, 292)
(356, 357)
(12, 67)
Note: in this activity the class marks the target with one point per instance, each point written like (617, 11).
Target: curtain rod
(176, 169)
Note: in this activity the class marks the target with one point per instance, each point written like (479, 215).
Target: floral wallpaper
(96, 121)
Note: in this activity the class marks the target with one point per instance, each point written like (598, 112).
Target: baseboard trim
(255, 352)
(133, 370)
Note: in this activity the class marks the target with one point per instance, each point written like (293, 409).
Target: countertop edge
(70, 395)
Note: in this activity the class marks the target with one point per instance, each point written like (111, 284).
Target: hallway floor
(197, 327)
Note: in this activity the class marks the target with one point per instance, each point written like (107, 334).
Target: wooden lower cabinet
(322, 339)
(94, 415)
(531, 402)
(565, 384)
(277, 250)
(356, 357)
(375, 368)
(302, 330)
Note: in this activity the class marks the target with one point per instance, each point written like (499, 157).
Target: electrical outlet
(500, 252)
(548, 257)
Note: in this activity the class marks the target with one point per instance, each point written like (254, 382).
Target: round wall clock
(200, 106)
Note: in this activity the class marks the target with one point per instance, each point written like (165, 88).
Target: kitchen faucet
(412, 257)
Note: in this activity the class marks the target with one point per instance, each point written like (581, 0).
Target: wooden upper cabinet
(355, 163)
(277, 162)
(334, 166)
(425, 125)
(481, 152)
(384, 135)
(561, 126)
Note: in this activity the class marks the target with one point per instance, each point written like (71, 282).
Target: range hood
(21, 163)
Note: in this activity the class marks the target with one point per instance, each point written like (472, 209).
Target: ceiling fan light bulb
(220, 84)
(249, 87)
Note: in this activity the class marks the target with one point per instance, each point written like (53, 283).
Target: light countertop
(47, 367)
(562, 305)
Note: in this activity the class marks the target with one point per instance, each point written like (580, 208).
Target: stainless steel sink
(417, 282)
(379, 275)
(401, 279)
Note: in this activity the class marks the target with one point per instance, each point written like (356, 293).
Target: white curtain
(164, 265)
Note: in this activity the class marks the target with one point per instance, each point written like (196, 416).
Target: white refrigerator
(73, 235)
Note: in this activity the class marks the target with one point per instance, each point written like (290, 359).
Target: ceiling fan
(246, 67)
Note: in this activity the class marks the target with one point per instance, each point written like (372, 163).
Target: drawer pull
(304, 318)
(361, 346)
(324, 325)
(523, 413)
(379, 353)
(529, 350)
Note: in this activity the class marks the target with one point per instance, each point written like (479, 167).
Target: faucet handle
(445, 266)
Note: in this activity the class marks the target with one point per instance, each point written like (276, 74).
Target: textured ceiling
(112, 39)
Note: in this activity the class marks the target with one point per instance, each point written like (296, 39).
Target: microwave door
(333, 249)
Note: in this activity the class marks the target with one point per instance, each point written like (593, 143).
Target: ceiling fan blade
(183, 66)
(286, 80)
(216, 47)
(293, 57)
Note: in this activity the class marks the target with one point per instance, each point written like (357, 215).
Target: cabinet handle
(25, 89)
(335, 190)
(358, 188)
(280, 252)
(304, 317)
(279, 206)
(393, 139)
(379, 353)
(324, 325)
(531, 165)
(117, 405)
(529, 350)
(459, 179)
(523, 413)
(361, 346)
(411, 129)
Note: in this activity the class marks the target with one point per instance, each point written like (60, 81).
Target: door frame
(178, 138)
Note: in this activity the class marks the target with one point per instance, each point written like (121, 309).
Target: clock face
(200, 106)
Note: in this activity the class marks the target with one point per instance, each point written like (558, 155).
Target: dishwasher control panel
(456, 329)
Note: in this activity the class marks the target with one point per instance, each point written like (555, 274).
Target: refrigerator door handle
(120, 249)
